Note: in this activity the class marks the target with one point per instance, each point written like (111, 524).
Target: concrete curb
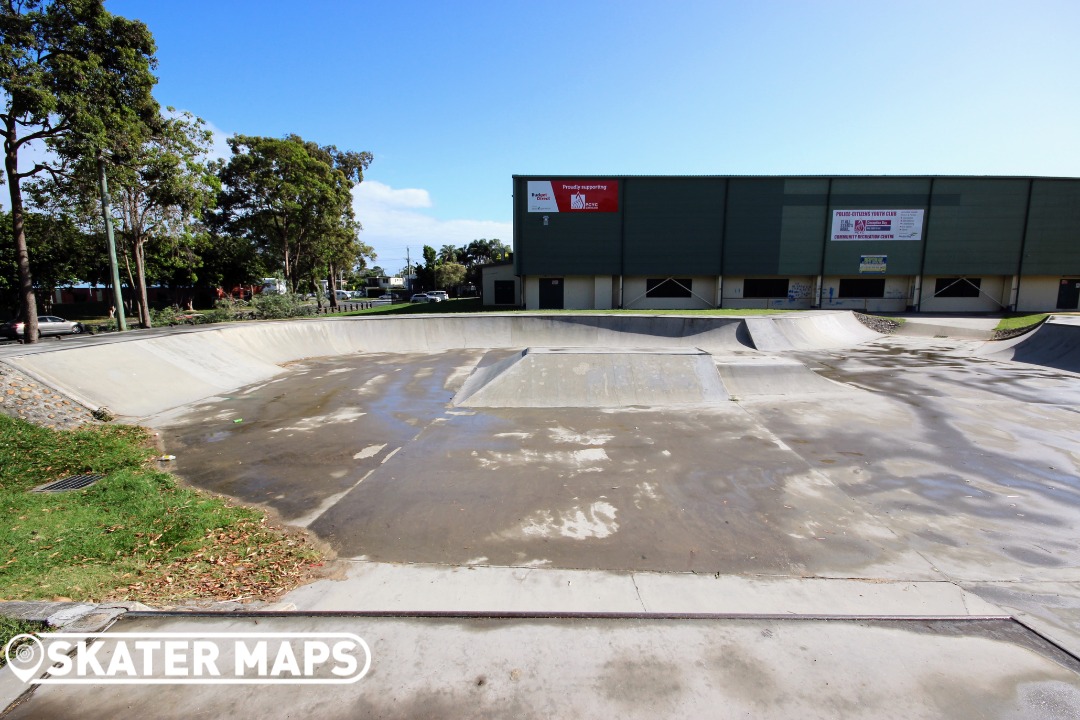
(67, 616)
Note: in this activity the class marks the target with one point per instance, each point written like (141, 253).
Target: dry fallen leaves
(250, 561)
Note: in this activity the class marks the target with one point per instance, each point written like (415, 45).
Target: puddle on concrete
(912, 476)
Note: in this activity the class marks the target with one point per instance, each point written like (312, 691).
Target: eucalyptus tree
(292, 200)
(160, 185)
(68, 69)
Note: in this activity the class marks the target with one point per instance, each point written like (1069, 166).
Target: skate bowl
(823, 504)
(1053, 344)
(137, 376)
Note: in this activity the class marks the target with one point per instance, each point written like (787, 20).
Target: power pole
(118, 295)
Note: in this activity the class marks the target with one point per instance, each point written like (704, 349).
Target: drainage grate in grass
(75, 482)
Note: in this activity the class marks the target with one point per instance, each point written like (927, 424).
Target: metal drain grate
(75, 482)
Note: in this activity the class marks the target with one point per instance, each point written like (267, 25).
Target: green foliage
(11, 627)
(86, 544)
(160, 186)
(274, 306)
(71, 74)
(63, 254)
(291, 200)
(449, 275)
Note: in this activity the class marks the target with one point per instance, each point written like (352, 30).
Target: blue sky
(453, 98)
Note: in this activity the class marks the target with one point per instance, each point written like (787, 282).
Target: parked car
(387, 297)
(47, 325)
(439, 295)
(341, 295)
(422, 297)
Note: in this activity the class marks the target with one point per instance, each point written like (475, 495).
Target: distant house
(385, 283)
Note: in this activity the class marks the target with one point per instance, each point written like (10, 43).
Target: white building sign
(877, 225)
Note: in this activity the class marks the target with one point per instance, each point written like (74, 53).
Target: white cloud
(374, 193)
(393, 221)
(219, 149)
(219, 146)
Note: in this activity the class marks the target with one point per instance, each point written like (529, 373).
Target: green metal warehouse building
(876, 243)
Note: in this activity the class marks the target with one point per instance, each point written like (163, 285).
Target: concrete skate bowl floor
(899, 469)
(843, 455)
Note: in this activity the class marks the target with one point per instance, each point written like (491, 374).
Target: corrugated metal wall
(780, 226)
(673, 226)
(1053, 237)
(976, 226)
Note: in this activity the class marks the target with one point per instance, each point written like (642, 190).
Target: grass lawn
(137, 534)
(1021, 321)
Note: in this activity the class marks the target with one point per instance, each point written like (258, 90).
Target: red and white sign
(552, 196)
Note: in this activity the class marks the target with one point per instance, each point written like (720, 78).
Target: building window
(765, 287)
(862, 288)
(668, 288)
(957, 287)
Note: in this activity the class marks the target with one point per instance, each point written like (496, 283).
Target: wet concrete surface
(937, 465)
(931, 482)
(369, 454)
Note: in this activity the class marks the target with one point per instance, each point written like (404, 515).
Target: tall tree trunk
(130, 279)
(288, 266)
(140, 271)
(27, 300)
(332, 284)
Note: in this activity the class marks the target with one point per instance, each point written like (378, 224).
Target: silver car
(47, 325)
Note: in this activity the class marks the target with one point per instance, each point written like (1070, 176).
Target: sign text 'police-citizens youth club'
(877, 225)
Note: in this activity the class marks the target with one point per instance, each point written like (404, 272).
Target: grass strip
(9, 628)
(137, 534)
(1017, 322)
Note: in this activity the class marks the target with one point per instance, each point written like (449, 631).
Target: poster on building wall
(552, 196)
(872, 264)
(877, 224)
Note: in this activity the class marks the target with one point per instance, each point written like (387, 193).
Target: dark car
(47, 325)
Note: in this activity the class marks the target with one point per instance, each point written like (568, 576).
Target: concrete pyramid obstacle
(595, 377)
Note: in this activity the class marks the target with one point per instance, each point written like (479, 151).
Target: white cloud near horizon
(394, 220)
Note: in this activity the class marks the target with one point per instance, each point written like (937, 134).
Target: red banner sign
(553, 196)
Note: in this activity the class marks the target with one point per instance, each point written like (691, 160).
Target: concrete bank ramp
(143, 373)
(808, 331)
(596, 377)
(1055, 344)
(748, 377)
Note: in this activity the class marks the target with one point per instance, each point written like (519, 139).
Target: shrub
(272, 306)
